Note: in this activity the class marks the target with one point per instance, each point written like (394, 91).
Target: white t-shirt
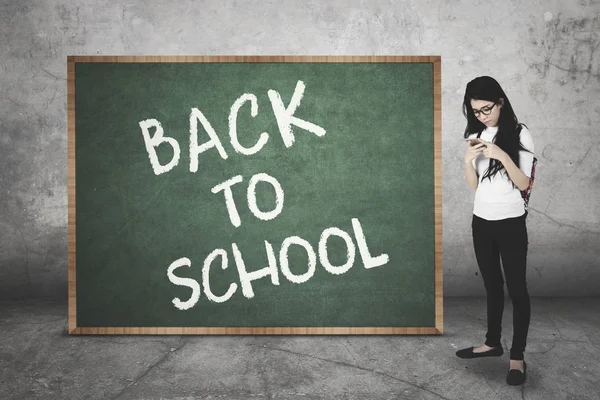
(499, 199)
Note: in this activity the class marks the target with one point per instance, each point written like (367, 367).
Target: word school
(271, 270)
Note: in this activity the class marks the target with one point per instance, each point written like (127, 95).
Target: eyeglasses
(485, 110)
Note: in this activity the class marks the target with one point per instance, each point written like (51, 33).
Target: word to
(234, 216)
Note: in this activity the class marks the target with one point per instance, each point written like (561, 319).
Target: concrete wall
(544, 53)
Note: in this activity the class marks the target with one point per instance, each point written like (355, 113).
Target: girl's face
(487, 112)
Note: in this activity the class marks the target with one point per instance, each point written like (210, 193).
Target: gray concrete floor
(39, 360)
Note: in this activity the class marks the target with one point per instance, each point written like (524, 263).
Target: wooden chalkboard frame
(437, 114)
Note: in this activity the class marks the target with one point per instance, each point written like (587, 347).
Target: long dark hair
(509, 128)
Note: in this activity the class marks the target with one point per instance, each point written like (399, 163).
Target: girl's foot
(480, 351)
(517, 373)
(517, 364)
(482, 348)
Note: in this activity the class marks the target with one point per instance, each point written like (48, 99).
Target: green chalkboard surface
(254, 195)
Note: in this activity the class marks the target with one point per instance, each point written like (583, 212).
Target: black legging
(506, 239)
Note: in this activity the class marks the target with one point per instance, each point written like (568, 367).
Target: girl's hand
(473, 151)
(493, 151)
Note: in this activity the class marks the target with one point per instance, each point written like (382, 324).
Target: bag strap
(525, 194)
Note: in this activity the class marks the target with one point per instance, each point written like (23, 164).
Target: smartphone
(473, 142)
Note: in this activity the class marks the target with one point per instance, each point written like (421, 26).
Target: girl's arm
(471, 175)
(515, 174)
(470, 172)
(520, 180)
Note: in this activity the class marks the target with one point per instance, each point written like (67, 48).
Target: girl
(498, 163)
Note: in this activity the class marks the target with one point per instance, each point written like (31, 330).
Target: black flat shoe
(516, 377)
(468, 353)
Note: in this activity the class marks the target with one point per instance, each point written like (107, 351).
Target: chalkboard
(254, 195)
